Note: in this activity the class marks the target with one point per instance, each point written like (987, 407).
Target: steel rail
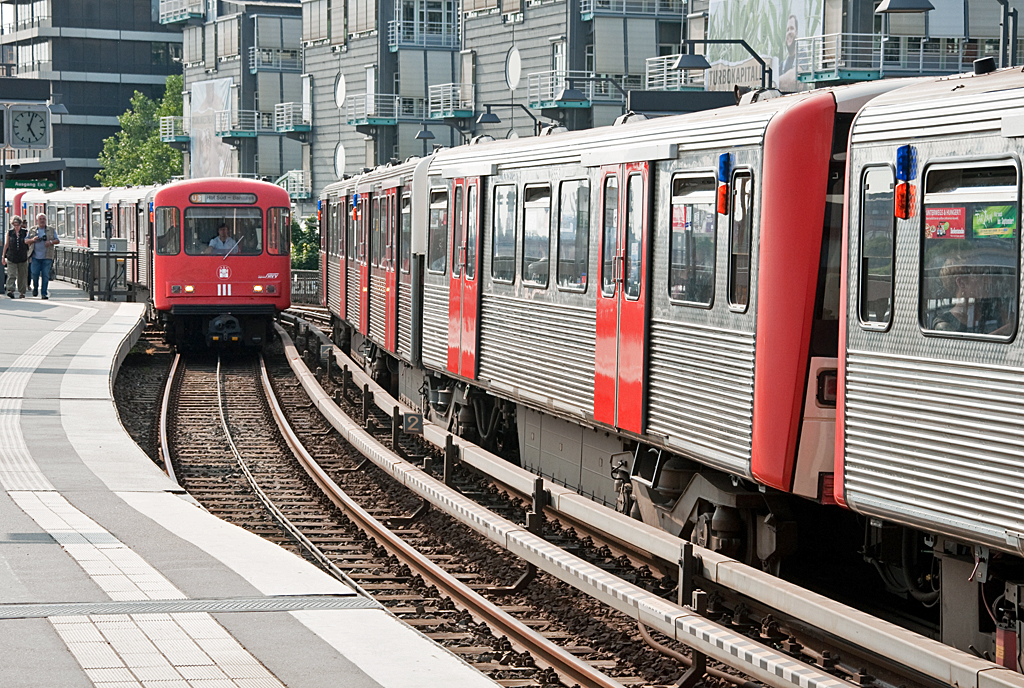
(165, 445)
(565, 664)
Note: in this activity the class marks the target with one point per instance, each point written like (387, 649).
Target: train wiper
(229, 251)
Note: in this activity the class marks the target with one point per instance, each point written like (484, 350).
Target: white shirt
(223, 245)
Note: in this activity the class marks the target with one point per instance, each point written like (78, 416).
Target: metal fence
(306, 287)
(104, 275)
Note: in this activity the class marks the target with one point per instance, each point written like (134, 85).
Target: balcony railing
(242, 123)
(372, 109)
(293, 117)
(23, 24)
(297, 183)
(447, 100)
(653, 8)
(661, 76)
(174, 129)
(544, 87)
(275, 59)
(173, 11)
(856, 57)
(423, 34)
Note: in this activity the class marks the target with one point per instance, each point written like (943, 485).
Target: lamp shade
(691, 61)
(904, 7)
(425, 134)
(488, 118)
(571, 95)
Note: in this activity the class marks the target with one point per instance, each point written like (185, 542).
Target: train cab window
(970, 251)
(633, 262)
(406, 240)
(279, 231)
(610, 230)
(877, 246)
(167, 231)
(573, 234)
(691, 264)
(503, 260)
(740, 231)
(437, 240)
(244, 231)
(457, 233)
(536, 235)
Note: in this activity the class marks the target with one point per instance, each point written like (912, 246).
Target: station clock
(28, 126)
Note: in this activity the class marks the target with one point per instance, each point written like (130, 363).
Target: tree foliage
(136, 155)
(306, 244)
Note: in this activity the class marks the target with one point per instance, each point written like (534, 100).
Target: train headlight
(189, 289)
(176, 289)
(257, 288)
(828, 387)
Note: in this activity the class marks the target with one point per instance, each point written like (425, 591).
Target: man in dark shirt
(15, 258)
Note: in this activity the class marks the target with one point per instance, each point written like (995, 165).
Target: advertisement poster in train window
(945, 223)
(995, 221)
(771, 28)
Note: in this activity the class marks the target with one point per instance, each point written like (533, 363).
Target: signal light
(271, 289)
(176, 289)
(189, 289)
(906, 163)
(828, 387)
(723, 199)
(906, 200)
(724, 167)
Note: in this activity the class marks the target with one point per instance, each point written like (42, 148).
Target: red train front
(221, 260)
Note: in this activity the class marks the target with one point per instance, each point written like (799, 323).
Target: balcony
(297, 183)
(289, 117)
(378, 109)
(659, 75)
(446, 100)
(274, 60)
(174, 130)
(177, 11)
(544, 87)
(242, 123)
(843, 57)
(672, 9)
(415, 34)
(26, 23)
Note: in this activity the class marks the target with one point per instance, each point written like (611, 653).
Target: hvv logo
(224, 272)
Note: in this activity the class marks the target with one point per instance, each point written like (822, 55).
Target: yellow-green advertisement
(995, 221)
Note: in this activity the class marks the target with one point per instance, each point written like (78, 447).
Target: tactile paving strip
(247, 604)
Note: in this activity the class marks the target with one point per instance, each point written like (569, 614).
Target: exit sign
(43, 184)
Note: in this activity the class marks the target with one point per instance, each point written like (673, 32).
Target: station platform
(111, 576)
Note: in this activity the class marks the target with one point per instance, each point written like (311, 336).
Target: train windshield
(223, 231)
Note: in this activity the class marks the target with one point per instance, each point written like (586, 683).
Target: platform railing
(106, 275)
(306, 287)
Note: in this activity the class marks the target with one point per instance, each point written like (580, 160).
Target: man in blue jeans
(41, 245)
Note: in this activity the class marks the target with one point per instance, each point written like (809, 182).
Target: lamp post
(572, 95)
(687, 60)
(491, 118)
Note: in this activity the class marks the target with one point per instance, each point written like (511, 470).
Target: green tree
(306, 244)
(136, 155)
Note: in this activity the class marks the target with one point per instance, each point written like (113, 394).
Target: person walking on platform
(43, 241)
(15, 258)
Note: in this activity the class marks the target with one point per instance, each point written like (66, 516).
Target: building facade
(97, 54)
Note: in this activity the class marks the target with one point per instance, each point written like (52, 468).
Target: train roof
(239, 183)
(382, 176)
(130, 193)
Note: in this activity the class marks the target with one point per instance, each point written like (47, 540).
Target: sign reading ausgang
(43, 184)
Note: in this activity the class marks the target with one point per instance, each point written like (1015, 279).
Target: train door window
(406, 241)
(691, 263)
(168, 231)
(503, 259)
(610, 230)
(244, 231)
(740, 231)
(97, 223)
(279, 222)
(350, 229)
(51, 217)
(635, 211)
(471, 232)
(62, 221)
(970, 250)
(376, 245)
(536, 235)
(877, 246)
(573, 234)
(457, 233)
(437, 248)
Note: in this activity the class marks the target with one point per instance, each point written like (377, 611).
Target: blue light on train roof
(724, 167)
(906, 163)
(355, 199)
(318, 203)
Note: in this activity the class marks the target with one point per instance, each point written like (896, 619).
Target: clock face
(28, 127)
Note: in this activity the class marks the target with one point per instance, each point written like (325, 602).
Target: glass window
(970, 251)
(279, 231)
(223, 231)
(376, 243)
(739, 239)
(691, 264)
(406, 245)
(573, 234)
(877, 218)
(168, 231)
(457, 234)
(437, 248)
(350, 227)
(633, 269)
(610, 218)
(536, 235)
(471, 232)
(503, 262)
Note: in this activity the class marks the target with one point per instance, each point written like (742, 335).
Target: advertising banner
(209, 156)
(945, 223)
(995, 221)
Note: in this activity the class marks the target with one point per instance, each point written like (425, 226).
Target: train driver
(223, 243)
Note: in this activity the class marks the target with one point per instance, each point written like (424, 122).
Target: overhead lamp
(58, 109)
(570, 95)
(904, 7)
(488, 117)
(425, 134)
(692, 61)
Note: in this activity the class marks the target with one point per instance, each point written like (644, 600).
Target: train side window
(457, 234)
(573, 234)
(503, 259)
(877, 246)
(536, 235)
(970, 251)
(740, 231)
(168, 231)
(279, 231)
(691, 263)
(610, 228)
(471, 232)
(376, 243)
(406, 247)
(437, 241)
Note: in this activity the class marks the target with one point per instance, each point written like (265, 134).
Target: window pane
(437, 250)
(406, 246)
(877, 217)
(691, 269)
(739, 244)
(536, 235)
(457, 235)
(168, 231)
(223, 231)
(573, 234)
(610, 218)
(350, 231)
(970, 251)
(376, 245)
(503, 262)
(471, 230)
(279, 231)
(634, 236)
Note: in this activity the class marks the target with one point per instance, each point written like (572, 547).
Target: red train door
(364, 265)
(621, 349)
(464, 302)
(391, 283)
(339, 219)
